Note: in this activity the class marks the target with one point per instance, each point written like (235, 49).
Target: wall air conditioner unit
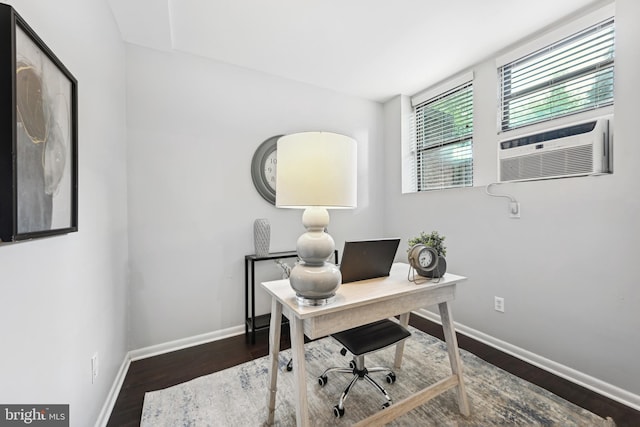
(571, 150)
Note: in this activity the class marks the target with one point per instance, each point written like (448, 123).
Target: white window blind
(444, 140)
(567, 77)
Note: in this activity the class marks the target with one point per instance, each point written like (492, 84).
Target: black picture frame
(38, 136)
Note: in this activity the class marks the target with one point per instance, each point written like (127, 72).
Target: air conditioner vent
(579, 149)
(569, 161)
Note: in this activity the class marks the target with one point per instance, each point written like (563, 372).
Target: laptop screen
(367, 259)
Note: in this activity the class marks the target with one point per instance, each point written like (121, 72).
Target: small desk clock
(263, 169)
(424, 259)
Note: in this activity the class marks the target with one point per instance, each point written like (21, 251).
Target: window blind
(444, 140)
(567, 77)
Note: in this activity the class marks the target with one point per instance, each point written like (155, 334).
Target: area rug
(237, 396)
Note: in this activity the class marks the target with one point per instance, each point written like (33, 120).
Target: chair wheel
(385, 405)
(322, 380)
(337, 412)
(391, 378)
(352, 364)
(290, 365)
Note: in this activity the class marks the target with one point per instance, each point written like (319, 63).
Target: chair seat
(371, 337)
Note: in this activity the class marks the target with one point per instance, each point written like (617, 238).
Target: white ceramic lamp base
(315, 280)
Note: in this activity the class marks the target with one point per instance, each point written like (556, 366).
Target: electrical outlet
(94, 368)
(498, 304)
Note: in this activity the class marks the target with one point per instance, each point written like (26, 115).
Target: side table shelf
(252, 322)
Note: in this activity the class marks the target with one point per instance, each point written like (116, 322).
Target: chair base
(359, 372)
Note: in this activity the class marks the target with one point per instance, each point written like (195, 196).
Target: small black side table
(252, 322)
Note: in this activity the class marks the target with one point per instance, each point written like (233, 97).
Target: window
(567, 77)
(444, 140)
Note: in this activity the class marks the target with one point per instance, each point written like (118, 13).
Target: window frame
(542, 41)
(429, 97)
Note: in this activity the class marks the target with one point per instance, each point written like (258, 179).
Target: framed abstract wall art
(38, 136)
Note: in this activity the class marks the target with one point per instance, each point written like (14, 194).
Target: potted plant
(435, 241)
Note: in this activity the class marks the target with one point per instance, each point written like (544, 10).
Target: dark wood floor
(173, 368)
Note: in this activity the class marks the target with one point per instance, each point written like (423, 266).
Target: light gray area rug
(237, 396)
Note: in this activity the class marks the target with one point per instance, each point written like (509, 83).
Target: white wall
(568, 268)
(64, 298)
(193, 126)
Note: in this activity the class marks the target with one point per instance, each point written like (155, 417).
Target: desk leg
(404, 321)
(274, 350)
(454, 356)
(299, 371)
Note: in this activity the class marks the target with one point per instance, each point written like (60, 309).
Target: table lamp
(316, 171)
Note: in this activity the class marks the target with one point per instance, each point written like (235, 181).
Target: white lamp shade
(316, 169)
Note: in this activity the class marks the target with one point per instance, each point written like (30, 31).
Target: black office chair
(359, 342)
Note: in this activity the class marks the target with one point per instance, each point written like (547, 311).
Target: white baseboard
(155, 350)
(182, 343)
(601, 387)
(105, 413)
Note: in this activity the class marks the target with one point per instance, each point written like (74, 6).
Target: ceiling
(374, 49)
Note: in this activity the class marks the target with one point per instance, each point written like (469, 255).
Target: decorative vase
(261, 236)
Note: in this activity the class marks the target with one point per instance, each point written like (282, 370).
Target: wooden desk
(356, 304)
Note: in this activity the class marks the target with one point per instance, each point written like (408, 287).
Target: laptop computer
(367, 259)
